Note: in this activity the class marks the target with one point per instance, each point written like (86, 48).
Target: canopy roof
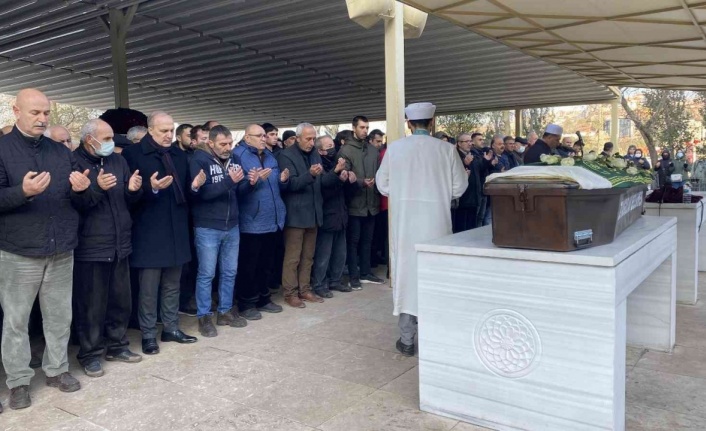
(637, 43)
(282, 61)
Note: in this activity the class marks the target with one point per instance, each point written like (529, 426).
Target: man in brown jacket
(363, 205)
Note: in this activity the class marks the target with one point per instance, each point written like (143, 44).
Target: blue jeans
(213, 246)
(329, 259)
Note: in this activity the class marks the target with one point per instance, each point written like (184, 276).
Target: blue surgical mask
(521, 149)
(105, 149)
(680, 155)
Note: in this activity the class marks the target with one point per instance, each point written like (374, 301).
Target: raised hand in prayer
(199, 180)
(160, 184)
(340, 165)
(264, 173)
(34, 184)
(135, 181)
(106, 181)
(236, 174)
(316, 169)
(343, 176)
(79, 180)
(253, 176)
(352, 178)
(284, 176)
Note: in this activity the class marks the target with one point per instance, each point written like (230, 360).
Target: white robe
(421, 175)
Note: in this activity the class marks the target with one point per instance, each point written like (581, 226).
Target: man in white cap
(551, 139)
(421, 175)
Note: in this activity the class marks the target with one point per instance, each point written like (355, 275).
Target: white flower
(618, 163)
(543, 158)
(632, 170)
(568, 161)
(590, 157)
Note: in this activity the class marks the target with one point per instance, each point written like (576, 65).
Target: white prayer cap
(554, 129)
(420, 111)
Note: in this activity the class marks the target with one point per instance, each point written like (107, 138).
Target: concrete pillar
(117, 26)
(394, 74)
(518, 122)
(614, 122)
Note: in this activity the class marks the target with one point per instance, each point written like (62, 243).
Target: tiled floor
(330, 367)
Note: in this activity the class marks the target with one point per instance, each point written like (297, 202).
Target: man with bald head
(40, 186)
(261, 213)
(102, 296)
(160, 234)
(60, 134)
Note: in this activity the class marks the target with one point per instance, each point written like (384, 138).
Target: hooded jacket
(363, 159)
(215, 203)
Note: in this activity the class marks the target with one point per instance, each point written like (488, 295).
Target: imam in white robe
(421, 175)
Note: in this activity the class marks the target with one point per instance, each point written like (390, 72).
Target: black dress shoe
(178, 336)
(405, 349)
(150, 346)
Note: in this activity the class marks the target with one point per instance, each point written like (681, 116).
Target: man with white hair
(59, 134)
(421, 175)
(304, 202)
(102, 295)
(136, 133)
(160, 235)
(39, 187)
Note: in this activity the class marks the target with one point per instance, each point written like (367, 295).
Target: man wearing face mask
(330, 255)
(640, 162)
(681, 165)
(216, 231)
(102, 293)
(665, 169)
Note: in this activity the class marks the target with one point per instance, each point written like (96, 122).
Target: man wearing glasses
(262, 215)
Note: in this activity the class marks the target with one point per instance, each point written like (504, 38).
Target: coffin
(559, 216)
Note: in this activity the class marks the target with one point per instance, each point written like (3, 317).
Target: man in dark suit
(160, 235)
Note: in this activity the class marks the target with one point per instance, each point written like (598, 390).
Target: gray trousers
(151, 280)
(408, 328)
(21, 280)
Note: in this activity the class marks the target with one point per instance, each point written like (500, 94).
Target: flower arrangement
(618, 170)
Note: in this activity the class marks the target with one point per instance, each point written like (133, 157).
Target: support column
(117, 26)
(394, 74)
(614, 122)
(518, 122)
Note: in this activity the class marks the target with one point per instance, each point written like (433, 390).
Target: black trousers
(360, 240)
(255, 261)
(380, 238)
(102, 302)
(464, 219)
(274, 273)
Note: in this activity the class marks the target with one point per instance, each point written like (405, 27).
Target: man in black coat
(304, 203)
(102, 298)
(485, 161)
(547, 145)
(160, 234)
(330, 255)
(465, 215)
(40, 185)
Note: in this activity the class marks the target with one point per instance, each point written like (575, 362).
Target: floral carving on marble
(507, 343)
